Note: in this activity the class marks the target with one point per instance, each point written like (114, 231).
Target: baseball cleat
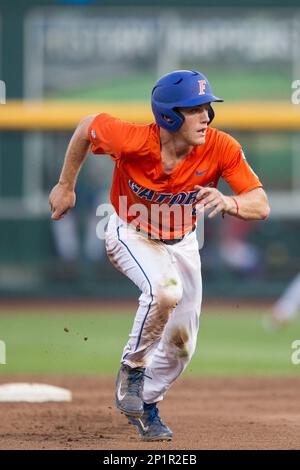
(272, 322)
(150, 426)
(129, 390)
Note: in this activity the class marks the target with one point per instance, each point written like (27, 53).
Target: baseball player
(174, 163)
(286, 307)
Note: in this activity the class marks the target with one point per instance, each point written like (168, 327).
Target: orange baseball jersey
(139, 176)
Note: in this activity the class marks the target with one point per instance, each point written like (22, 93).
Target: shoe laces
(135, 380)
(151, 411)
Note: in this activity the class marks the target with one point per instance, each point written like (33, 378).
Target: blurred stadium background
(62, 60)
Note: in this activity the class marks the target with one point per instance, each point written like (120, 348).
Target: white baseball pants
(164, 333)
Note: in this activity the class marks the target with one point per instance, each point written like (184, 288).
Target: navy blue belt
(167, 241)
(173, 241)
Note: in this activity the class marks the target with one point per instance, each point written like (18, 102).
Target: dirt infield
(235, 413)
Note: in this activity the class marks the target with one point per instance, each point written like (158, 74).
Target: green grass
(134, 88)
(228, 344)
(231, 83)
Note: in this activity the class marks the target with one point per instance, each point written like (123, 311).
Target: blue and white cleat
(129, 390)
(150, 426)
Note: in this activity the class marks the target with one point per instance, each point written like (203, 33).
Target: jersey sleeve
(235, 169)
(119, 139)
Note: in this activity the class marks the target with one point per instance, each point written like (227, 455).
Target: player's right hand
(61, 200)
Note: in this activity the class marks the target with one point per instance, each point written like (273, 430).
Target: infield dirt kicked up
(204, 413)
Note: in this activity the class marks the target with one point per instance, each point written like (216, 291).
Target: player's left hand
(212, 197)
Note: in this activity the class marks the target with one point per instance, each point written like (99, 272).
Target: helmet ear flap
(180, 115)
(170, 119)
(211, 113)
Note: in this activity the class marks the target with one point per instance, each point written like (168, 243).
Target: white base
(33, 393)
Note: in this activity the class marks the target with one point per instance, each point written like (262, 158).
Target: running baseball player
(174, 163)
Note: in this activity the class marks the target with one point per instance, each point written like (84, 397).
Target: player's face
(195, 124)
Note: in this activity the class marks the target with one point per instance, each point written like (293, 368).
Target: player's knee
(180, 344)
(168, 296)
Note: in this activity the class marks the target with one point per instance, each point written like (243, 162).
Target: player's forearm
(75, 155)
(252, 205)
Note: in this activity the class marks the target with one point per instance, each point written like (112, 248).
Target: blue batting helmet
(179, 89)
